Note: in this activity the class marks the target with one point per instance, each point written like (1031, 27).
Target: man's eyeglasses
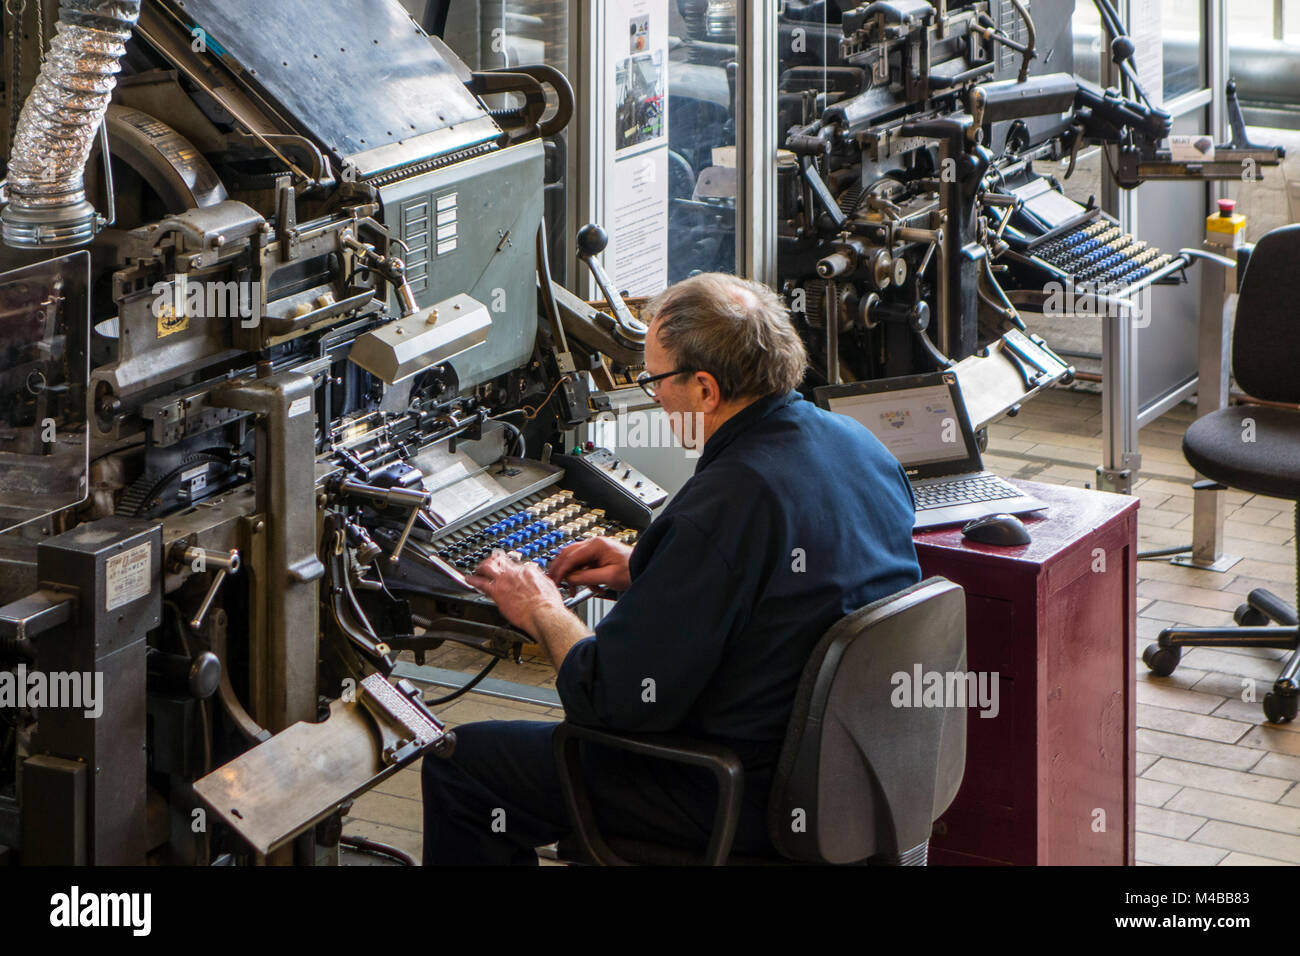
(647, 381)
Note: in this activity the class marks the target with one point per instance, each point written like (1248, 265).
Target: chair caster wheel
(1161, 661)
(1248, 616)
(1280, 709)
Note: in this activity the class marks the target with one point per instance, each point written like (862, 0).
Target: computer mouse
(1003, 531)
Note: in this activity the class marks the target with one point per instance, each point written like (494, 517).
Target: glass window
(506, 34)
(1086, 30)
(1250, 19)
(497, 34)
(701, 105)
(1264, 59)
(1181, 53)
(1184, 69)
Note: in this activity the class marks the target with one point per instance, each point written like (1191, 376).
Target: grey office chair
(858, 780)
(1257, 449)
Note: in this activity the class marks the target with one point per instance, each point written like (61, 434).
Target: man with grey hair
(794, 518)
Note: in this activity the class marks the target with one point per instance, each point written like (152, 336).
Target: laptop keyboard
(963, 491)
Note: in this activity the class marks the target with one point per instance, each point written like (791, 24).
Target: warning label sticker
(127, 576)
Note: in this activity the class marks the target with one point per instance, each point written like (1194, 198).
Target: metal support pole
(585, 174)
(286, 495)
(1217, 291)
(1120, 461)
(756, 142)
(1218, 300)
(1119, 391)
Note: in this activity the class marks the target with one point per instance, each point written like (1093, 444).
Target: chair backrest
(1266, 343)
(863, 772)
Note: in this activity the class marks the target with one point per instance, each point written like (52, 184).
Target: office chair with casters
(1256, 449)
(859, 780)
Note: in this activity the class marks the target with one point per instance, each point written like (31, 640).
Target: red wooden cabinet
(1050, 779)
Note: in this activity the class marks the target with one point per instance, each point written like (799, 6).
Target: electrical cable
(1114, 173)
(519, 442)
(1162, 553)
(1030, 38)
(382, 583)
(549, 303)
(464, 689)
(375, 848)
(1007, 309)
(538, 410)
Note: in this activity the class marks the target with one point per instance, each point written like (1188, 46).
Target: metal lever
(380, 498)
(989, 30)
(592, 241)
(109, 190)
(200, 560)
(406, 531)
(196, 622)
(390, 267)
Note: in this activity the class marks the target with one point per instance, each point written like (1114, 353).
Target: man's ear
(710, 392)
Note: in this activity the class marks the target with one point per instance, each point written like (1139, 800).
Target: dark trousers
(498, 797)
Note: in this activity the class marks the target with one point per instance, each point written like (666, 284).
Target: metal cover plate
(297, 778)
(992, 386)
(356, 74)
(44, 338)
(405, 347)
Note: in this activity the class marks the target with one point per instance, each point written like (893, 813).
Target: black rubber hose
(375, 848)
(1030, 38)
(460, 691)
(1162, 553)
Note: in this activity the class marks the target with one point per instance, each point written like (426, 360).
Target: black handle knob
(177, 674)
(592, 240)
(205, 675)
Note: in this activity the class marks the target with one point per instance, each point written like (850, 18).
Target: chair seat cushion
(1250, 447)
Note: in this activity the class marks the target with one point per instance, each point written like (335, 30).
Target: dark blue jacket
(794, 518)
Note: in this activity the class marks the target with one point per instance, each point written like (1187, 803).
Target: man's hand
(601, 562)
(531, 602)
(523, 594)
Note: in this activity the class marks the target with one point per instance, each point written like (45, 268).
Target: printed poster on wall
(1147, 30)
(636, 147)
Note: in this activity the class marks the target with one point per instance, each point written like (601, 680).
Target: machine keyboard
(962, 492)
(1103, 255)
(535, 529)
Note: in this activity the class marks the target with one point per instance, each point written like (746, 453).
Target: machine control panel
(608, 466)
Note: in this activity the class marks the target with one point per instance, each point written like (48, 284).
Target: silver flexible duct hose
(56, 130)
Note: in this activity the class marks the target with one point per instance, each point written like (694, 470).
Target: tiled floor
(391, 813)
(1217, 785)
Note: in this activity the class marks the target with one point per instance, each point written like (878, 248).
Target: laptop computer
(922, 420)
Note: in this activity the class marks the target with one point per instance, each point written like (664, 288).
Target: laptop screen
(921, 419)
(917, 425)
